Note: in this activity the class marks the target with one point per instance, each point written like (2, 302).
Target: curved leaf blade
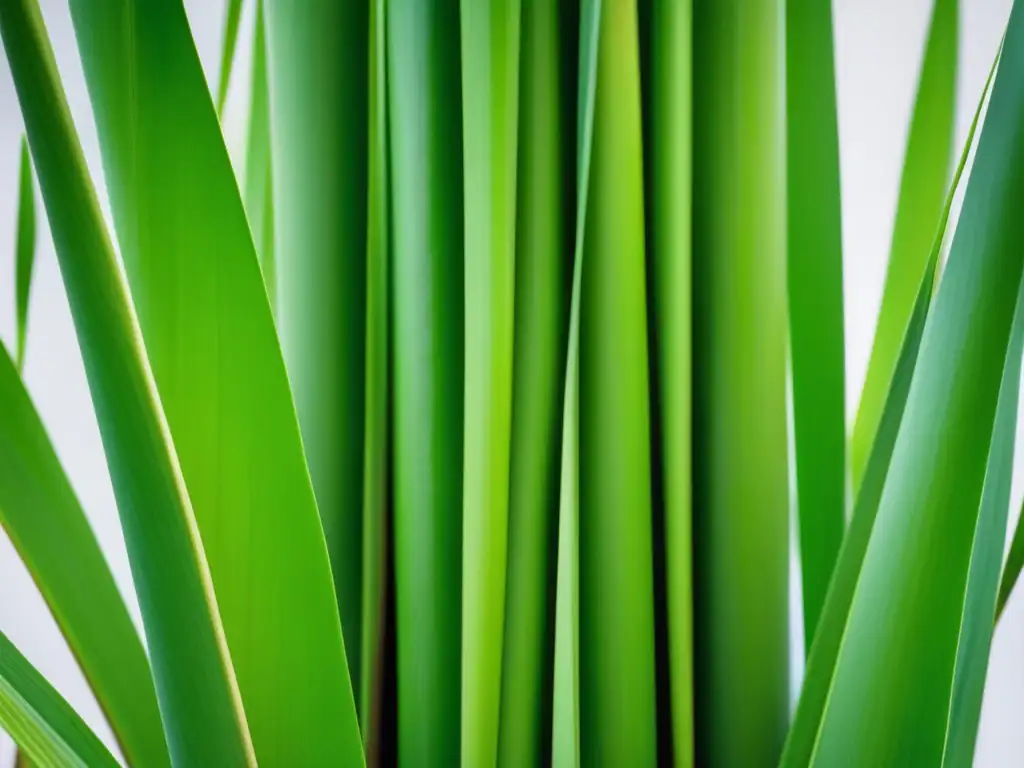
(36, 500)
(232, 18)
(43, 725)
(25, 252)
(201, 711)
(210, 336)
(922, 191)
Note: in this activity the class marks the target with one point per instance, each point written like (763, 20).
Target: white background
(878, 47)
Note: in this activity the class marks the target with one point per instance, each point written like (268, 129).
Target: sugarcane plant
(450, 424)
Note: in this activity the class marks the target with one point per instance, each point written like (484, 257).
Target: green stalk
(669, 165)
(376, 471)
(490, 113)
(741, 503)
(232, 18)
(25, 248)
(427, 282)
(922, 192)
(815, 282)
(319, 60)
(199, 701)
(539, 368)
(617, 694)
(258, 193)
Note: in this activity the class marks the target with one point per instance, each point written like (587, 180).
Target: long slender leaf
(815, 277)
(669, 172)
(893, 707)
(376, 452)
(565, 736)
(922, 191)
(36, 500)
(25, 248)
(617, 694)
(425, 122)
(232, 18)
(490, 115)
(200, 709)
(1011, 570)
(42, 724)
(258, 193)
(543, 204)
(826, 645)
(741, 500)
(319, 66)
(210, 336)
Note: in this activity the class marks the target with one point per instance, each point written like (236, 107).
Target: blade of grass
(815, 282)
(232, 17)
(922, 191)
(201, 711)
(741, 500)
(257, 196)
(376, 452)
(617, 694)
(542, 207)
(36, 500)
(827, 642)
(25, 248)
(1011, 571)
(425, 137)
(211, 340)
(41, 723)
(319, 63)
(978, 615)
(893, 707)
(490, 113)
(669, 170)
(565, 735)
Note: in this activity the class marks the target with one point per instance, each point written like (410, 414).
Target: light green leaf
(893, 708)
(565, 736)
(42, 724)
(200, 707)
(233, 15)
(25, 248)
(815, 282)
(617, 693)
(544, 202)
(36, 501)
(425, 134)
(490, 116)
(210, 336)
(922, 191)
(740, 340)
(668, 33)
(319, 60)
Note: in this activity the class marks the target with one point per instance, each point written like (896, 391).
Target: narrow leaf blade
(25, 252)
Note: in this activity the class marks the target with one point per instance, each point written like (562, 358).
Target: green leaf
(199, 703)
(210, 336)
(740, 469)
(25, 252)
(893, 708)
(233, 15)
(1011, 571)
(565, 736)
(490, 114)
(668, 32)
(922, 191)
(544, 202)
(36, 500)
(319, 60)
(815, 277)
(377, 449)
(40, 721)
(425, 122)
(827, 641)
(258, 192)
(617, 693)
